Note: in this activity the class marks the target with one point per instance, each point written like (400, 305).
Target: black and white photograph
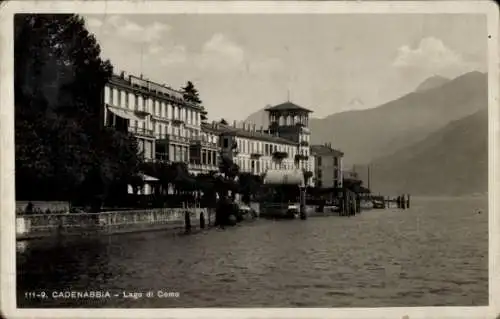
(249, 155)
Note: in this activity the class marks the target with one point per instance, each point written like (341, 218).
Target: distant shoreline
(450, 197)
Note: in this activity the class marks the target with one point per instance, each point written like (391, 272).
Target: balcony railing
(142, 113)
(161, 157)
(203, 167)
(177, 121)
(255, 155)
(174, 138)
(304, 143)
(280, 155)
(141, 131)
(203, 143)
(301, 157)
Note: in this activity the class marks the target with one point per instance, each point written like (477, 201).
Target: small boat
(246, 212)
(378, 204)
(367, 204)
(293, 211)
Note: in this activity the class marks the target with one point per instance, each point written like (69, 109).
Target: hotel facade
(167, 127)
(328, 166)
(170, 129)
(283, 145)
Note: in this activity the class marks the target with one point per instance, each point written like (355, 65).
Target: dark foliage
(249, 185)
(191, 95)
(62, 149)
(307, 175)
(228, 168)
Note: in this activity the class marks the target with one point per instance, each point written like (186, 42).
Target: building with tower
(290, 121)
(282, 145)
(169, 129)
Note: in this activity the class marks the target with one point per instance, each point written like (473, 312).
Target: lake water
(433, 254)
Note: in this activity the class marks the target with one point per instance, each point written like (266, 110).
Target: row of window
(259, 166)
(290, 120)
(206, 158)
(336, 161)
(246, 146)
(146, 147)
(128, 100)
(180, 153)
(328, 180)
(160, 129)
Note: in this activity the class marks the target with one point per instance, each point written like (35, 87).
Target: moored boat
(378, 202)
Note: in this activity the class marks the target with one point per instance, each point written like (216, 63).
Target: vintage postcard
(233, 159)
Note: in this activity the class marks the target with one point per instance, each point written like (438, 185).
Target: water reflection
(433, 254)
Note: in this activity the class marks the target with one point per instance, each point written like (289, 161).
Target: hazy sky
(329, 62)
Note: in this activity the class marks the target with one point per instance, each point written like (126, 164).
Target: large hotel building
(170, 129)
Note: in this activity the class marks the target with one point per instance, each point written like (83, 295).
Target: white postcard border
(7, 190)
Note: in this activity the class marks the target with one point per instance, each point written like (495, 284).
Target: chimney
(261, 128)
(254, 127)
(142, 76)
(234, 123)
(243, 125)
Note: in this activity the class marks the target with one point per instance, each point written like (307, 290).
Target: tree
(307, 176)
(62, 149)
(228, 168)
(190, 94)
(223, 121)
(249, 185)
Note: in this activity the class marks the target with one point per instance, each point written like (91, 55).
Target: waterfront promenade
(38, 226)
(433, 254)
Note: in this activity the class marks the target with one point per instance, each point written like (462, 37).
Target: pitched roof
(288, 106)
(325, 150)
(255, 135)
(167, 93)
(206, 127)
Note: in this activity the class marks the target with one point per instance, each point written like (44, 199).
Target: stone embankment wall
(106, 223)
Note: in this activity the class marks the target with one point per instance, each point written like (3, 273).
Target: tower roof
(288, 106)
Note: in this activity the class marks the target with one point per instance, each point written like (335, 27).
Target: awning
(148, 178)
(126, 114)
(284, 177)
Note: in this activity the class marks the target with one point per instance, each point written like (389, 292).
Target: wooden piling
(303, 213)
(202, 220)
(187, 221)
(352, 205)
(343, 211)
(358, 204)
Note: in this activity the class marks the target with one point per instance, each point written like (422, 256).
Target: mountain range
(451, 161)
(407, 140)
(431, 83)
